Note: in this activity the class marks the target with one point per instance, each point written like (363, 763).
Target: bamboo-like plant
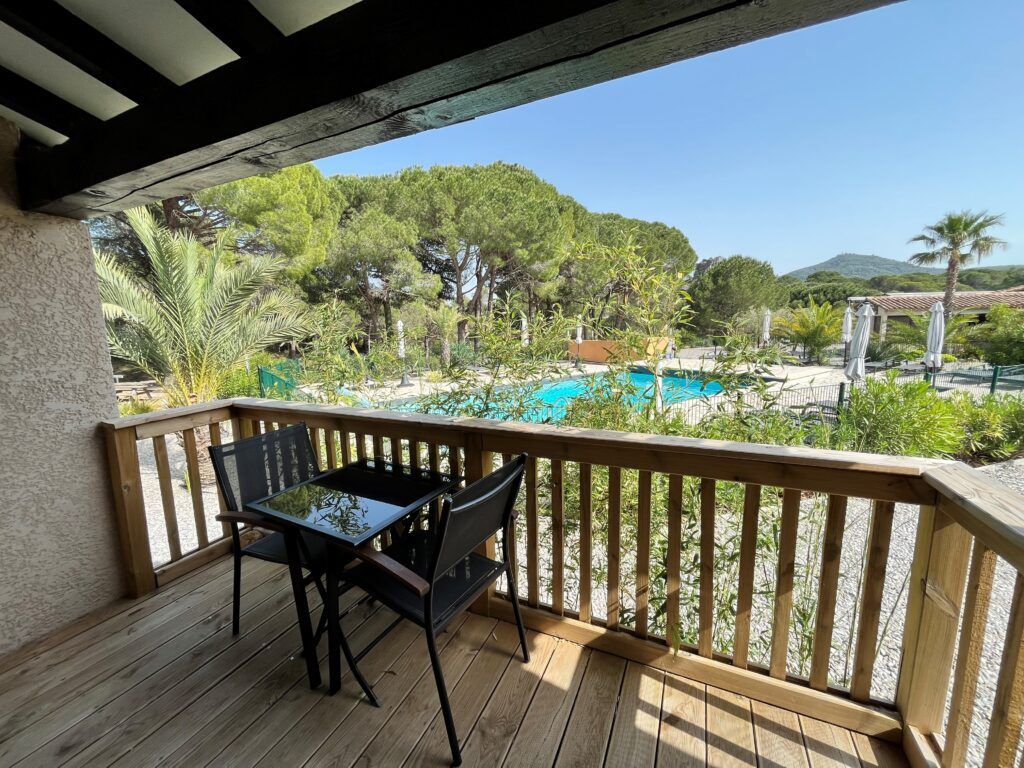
(199, 314)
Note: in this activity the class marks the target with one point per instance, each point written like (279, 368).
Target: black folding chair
(430, 577)
(255, 467)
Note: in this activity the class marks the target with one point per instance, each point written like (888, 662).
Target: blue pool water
(552, 399)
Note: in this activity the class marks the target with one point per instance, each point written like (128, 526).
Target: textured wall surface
(59, 554)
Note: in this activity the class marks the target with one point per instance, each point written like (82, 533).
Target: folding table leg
(302, 609)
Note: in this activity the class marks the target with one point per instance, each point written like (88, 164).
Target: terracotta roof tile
(922, 302)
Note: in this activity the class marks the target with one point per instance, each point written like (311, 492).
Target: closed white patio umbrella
(936, 336)
(524, 332)
(847, 336)
(400, 332)
(766, 327)
(859, 344)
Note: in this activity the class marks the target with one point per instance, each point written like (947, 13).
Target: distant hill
(860, 265)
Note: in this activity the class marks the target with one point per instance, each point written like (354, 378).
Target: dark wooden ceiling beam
(382, 69)
(60, 31)
(36, 103)
(237, 23)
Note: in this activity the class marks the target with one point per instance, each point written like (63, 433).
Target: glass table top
(358, 501)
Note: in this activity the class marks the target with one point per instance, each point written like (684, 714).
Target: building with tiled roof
(899, 306)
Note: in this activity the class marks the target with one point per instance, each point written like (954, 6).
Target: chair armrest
(404, 576)
(248, 518)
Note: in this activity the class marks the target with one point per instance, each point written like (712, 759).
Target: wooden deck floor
(162, 681)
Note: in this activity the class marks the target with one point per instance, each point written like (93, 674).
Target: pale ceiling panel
(160, 32)
(37, 131)
(290, 16)
(32, 61)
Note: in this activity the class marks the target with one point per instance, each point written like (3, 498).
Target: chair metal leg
(236, 599)
(302, 610)
(442, 694)
(518, 615)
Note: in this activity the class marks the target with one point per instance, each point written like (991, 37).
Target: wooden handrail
(961, 508)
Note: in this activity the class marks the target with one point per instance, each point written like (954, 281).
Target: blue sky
(848, 136)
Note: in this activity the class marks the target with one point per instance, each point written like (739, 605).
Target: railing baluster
(614, 543)
(434, 459)
(675, 531)
(828, 588)
(414, 454)
(871, 603)
(396, 450)
(1008, 707)
(586, 552)
(643, 552)
(557, 538)
(330, 436)
(784, 583)
(706, 610)
(346, 445)
(532, 548)
(745, 592)
(163, 472)
(130, 505)
(968, 661)
(216, 439)
(454, 460)
(195, 487)
(360, 446)
(314, 436)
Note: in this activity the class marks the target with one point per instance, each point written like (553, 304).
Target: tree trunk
(446, 352)
(952, 276)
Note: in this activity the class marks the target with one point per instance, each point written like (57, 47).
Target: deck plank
(730, 729)
(634, 738)
(828, 746)
(385, 736)
(68, 720)
(875, 753)
(492, 736)
(540, 733)
(682, 739)
(590, 724)
(778, 737)
(469, 697)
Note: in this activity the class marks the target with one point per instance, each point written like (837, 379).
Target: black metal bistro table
(348, 507)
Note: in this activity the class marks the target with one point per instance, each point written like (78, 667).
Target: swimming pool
(551, 400)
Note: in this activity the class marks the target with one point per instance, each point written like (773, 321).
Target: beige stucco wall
(58, 544)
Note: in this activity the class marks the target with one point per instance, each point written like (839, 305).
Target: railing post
(130, 509)
(937, 579)
(479, 463)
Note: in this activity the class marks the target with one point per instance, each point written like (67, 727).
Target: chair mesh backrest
(477, 512)
(258, 466)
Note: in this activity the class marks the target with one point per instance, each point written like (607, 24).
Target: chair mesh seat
(271, 547)
(453, 591)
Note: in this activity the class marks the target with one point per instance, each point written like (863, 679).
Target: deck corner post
(130, 511)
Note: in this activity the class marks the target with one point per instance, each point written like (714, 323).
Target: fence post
(842, 395)
(996, 370)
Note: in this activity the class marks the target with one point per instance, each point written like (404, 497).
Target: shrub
(886, 416)
(135, 406)
(993, 427)
(1001, 337)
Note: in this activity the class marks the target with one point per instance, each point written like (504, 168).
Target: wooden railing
(653, 548)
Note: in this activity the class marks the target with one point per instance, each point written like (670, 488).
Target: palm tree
(954, 240)
(445, 319)
(815, 327)
(199, 314)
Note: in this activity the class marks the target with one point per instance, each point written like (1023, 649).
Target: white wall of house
(59, 556)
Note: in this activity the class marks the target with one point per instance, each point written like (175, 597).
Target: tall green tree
(731, 286)
(291, 214)
(199, 314)
(954, 240)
